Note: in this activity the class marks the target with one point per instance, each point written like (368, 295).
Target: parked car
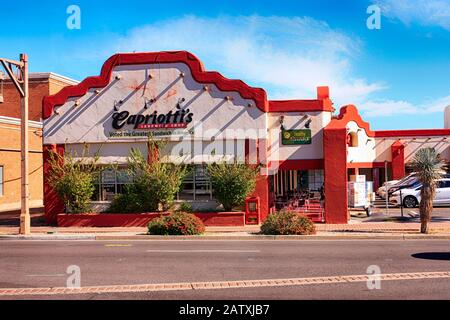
(411, 196)
(381, 191)
(394, 184)
(407, 183)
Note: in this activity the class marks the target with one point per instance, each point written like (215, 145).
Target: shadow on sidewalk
(396, 217)
(12, 218)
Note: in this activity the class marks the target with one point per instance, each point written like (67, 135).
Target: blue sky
(397, 76)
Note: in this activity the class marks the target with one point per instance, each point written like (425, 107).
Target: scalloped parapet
(198, 72)
(350, 113)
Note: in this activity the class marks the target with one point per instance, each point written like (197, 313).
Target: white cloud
(378, 108)
(289, 57)
(424, 12)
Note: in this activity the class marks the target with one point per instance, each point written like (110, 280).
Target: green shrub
(178, 223)
(153, 184)
(232, 182)
(288, 223)
(209, 210)
(186, 207)
(76, 189)
(72, 180)
(128, 202)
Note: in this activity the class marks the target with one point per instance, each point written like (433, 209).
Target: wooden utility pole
(386, 184)
(21, 84)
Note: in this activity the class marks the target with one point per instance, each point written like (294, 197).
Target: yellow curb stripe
(222, 284)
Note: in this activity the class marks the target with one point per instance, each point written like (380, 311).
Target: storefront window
(196, 185)
(311, 179)
(315, 179)
(288, 182)
(303, 180)
(109, 183)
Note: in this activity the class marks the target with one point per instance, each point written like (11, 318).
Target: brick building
(40, 85)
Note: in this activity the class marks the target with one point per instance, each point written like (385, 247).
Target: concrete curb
(418, 236)
(48, 237)
(266, 237)
(225, 237)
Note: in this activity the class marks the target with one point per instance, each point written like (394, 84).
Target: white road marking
(413, 214)
(205, 251)
(118, 245)
(46, 275)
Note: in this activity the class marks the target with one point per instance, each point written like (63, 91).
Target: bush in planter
(177, 223)
(76, 190)
(73, 179)
(130, 201)
(232, 182)
(288, 223)
(186, 207)
(153, 184)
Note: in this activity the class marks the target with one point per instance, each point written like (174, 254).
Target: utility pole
(386, 184)
(21, 83)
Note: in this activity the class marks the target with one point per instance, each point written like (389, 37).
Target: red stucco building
(301, 144)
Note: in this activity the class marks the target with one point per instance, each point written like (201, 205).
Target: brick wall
(10, 160)
(11, 105)
(10, 140)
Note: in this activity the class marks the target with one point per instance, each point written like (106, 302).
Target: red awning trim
(412, 133)
(350, 113)
(300, 105)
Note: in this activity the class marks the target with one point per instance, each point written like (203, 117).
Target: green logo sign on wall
(290, 137)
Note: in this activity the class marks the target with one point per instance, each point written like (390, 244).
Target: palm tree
(430, 168)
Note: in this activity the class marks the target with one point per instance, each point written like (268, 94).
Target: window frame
(99, 183)
(193, 180)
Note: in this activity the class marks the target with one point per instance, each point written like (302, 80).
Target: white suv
(411, 196)
(381, 191)
(406, 181)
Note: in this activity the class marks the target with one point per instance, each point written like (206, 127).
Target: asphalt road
(29, 264)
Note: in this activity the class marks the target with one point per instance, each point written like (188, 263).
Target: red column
(52, 204)
(262, 191)
(256, 151)
(335, 158)
(262, 183)
(398, 160)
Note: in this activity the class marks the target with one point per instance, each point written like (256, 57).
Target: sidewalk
(354, 230)
(383, 227)
(378, 226)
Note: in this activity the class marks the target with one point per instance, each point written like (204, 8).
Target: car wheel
(410, 202)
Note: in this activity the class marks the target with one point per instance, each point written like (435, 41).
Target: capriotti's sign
(172, 123)
(171, 120)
